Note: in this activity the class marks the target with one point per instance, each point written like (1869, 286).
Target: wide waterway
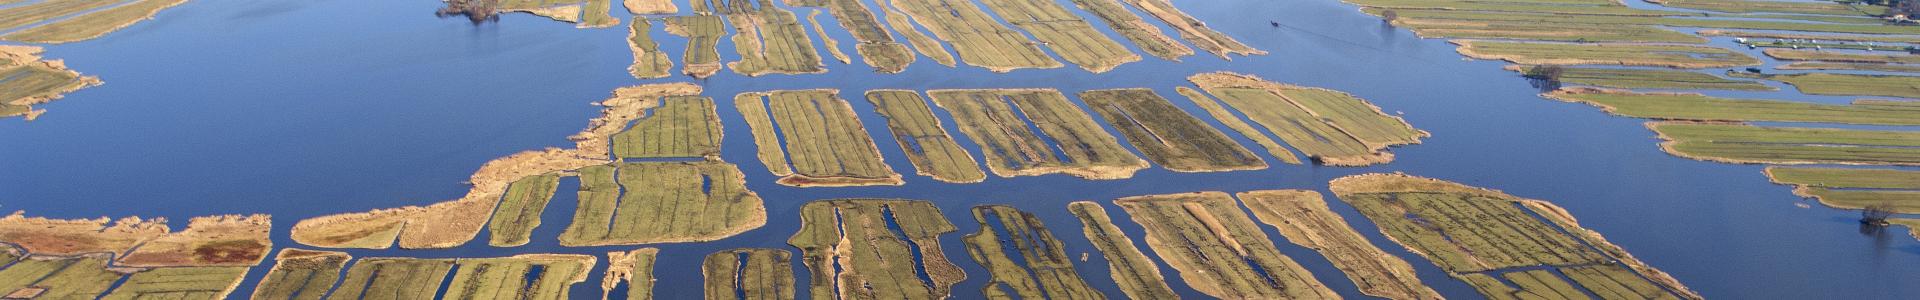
(301, 108)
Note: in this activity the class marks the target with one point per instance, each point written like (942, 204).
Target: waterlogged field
(1188, 176)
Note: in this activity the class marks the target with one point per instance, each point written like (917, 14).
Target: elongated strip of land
(1854, 188)
(648, 61)
(662, 202)
(1626, 54)
(454, 222)
(749, 274)
(1193, 30)
(301, 275)
(1144, 35)
(981, 40)
(877, 47)
(769, 39)
(1478, 235)
(1028, 132)
(43, 258)
(527, 276)
(1641, 78)
(1073, 38)
(920, 134)
(1742, 143)
(875, 249)
(513, 221)
(1698, 107)
(66, 21)
(1227, 117)
(1304, 219)
(27, 80)
(1847, 84)
(1023, 257)
(1134, 272)
(813, 138)
(702, 55)
(632, 270)
(1218, 250)
(586, 13)
(1332, 127)
(1167, 135)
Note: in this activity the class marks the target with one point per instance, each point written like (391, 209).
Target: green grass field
(1651, 55)
(1219, 251)
(1136, 274)
(1304, 219)
(980, 40)
(869, 245)
(519, 211)
(1851, 84)
(1677, 106)
(1133, 28)
(927, 143)
(680, 127)
(749, 274)
(1649, 79)
(813, 138)
(1070, 36)
(648, 61)
(301, 275)
(1787, 145)
(1036, 132)
(662, 202)
(703, 32)
(1167, 135)
(1023, 257)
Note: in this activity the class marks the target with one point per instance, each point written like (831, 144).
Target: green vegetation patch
(770, 40)
(393, 278)
(1591, 7)
(662, 202)
(519, 211)
(749, 274)
(1562, 32)
(898, 20)
(1168, 135)
(1847, 84)
(1332, 127)
(981, 40)
(1740, 143)
(1193, 30)
(1816, 65)
(1218, 250)
(648, 61)
(813, 138)
(876, 46)
(23, 16)
(91, 25)
(1065, 32)
(679, 127)
(1479, 235)
(179, 283)
(876, 248)
(1645, 79)
(1575, 18)
(1137, 30)
(1304, 219)
(1898, 190)
(1220, 113)
(301, 275)
(1825, 37)
(1134, 272)
(1037, 131)
(26, 80)
(926, 142)
(1023, 257)
(1688, 106)
(703, 32)
(1673, 56)
(1840, 56)
(532, 276)
(1787, 7)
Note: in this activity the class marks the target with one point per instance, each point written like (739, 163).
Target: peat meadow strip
(526, 276)
(875, 249)
(1218, 250)
(749, 274)
(1029, 132)
(1857, 188)
(1504, 246)
(1304, 218)
(812, 138)
(632, 270)
(1023, 257)
(1138, 276)
(648, 61)
(1332, 127)
(926, 142)
(1168, 135)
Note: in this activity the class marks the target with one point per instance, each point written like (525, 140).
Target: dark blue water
(299, 108)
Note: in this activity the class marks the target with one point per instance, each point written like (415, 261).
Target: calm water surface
(300, 108)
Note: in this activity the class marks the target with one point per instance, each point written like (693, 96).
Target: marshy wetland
(1324, 149)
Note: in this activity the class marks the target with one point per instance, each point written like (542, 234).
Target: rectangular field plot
(662, 202)
(527, 276)
(1304, 219)
(981, 40)
(1168, 135)
(813, 138)
(519, 211)
(1644, 79)
(1029, 132)
(1023, 257)
(1066, 33)
(749, 274)
(770, 39)
(927, 143)
(1739, 143)
(301, 275)
(680, 127)
(1504, 246)
(882, 248)
(1331, 127)
(1144, 35)
(1218, 250)
(1688, 106)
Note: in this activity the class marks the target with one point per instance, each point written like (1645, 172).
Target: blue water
(300, 108)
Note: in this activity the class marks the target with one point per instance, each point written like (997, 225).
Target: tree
(478, 11)
(1876, 215)
(1546, 72)
(1389, 16)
